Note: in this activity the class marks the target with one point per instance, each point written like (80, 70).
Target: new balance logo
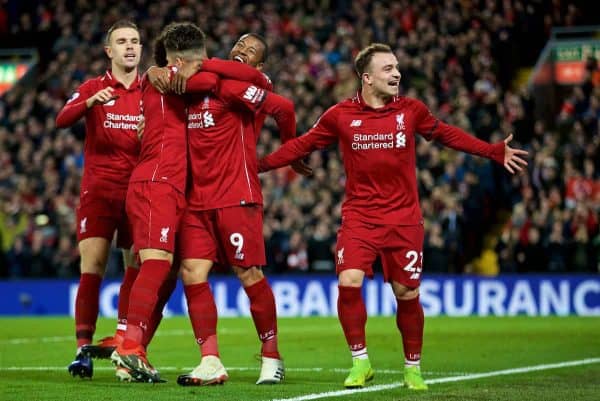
(400, 140)
(356, 123)
(340, 256)
(164, 232)
(82, 225)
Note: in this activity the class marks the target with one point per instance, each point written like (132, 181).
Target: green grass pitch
(34, 353)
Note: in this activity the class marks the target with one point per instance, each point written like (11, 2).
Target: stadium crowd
(459, 57)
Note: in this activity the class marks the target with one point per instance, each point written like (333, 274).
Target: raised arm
(228, 69)
(78, 104)
(255, 99)
(164, 79)
(202, 82)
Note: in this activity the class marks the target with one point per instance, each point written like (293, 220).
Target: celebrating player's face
(124, 48)
(248, 50)
(383, 74)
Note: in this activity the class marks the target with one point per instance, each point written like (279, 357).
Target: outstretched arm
(456, 138)
(320, 136)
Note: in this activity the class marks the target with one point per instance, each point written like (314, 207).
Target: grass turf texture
(317, 360)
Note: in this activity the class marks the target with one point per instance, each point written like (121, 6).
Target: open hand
(512, 161)
(301, 168)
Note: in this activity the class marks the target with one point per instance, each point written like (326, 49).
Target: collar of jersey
(358, 99)
(108, 75)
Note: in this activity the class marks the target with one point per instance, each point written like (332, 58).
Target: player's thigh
(402, 257)
(96, 217)
(94, 255)
(197, 237)
(124, 233)
(154, 210)
(356, 249)
(241, 236)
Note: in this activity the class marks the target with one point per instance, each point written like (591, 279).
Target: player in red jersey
(381, 216)
(223, 221)
(110, 105)
(156, 195)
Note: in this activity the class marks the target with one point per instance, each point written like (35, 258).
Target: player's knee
(194, 272)
(403, 292)
(93, 265)
(351, 278)
(249, 276)
(130, 259)
(155, 254)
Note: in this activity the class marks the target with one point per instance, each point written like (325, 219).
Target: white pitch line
(473, 376)
(59, 339)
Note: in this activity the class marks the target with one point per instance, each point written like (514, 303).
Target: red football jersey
(378, 148)
(222, 143)
(163, 157)
(111, 145)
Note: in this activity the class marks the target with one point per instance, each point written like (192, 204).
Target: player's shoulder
(351, 103)
(94, 83)
(403, 102)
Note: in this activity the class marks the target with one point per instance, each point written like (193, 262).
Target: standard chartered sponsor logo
(378, 141)
(372, 141)
(122, 121)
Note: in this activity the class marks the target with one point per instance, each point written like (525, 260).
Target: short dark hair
(262, 40)
(123, 23)
(363, 58)
(182, 36)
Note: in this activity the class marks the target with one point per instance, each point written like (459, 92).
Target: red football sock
(131, 274)
(163, 297)
(410, 321)
(264, 314)
(203, 315)
(86, 307)
(353, 316)
(144, 298)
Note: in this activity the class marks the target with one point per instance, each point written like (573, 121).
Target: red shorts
(154, 209)
(400, 249)
(100, 217)
(231, 235)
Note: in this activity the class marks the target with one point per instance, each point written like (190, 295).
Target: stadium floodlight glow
(14, 65)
